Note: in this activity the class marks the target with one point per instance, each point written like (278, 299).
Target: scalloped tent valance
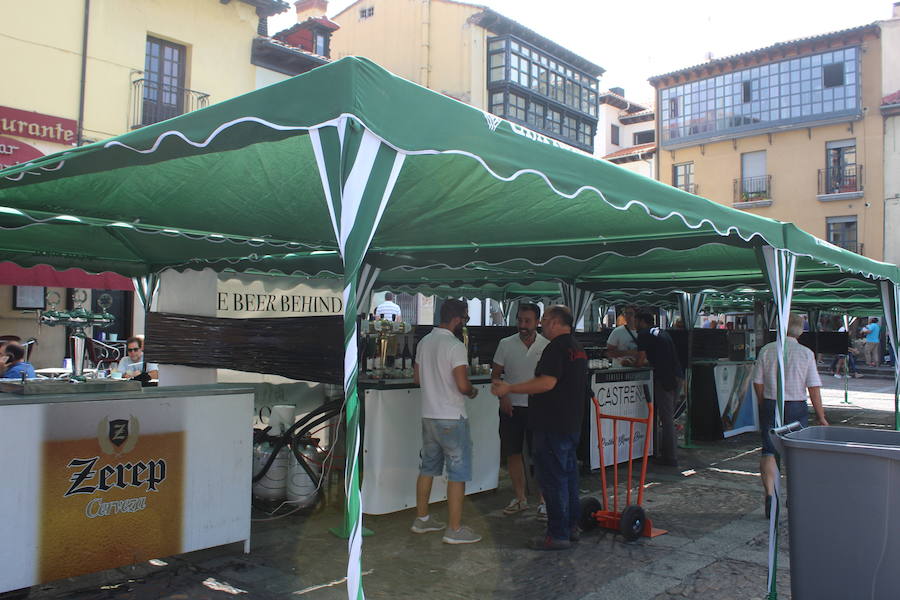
(238, 185)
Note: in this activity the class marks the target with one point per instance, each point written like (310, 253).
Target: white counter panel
(393, 438)
(96, 481)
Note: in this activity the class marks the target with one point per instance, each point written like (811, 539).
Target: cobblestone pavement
(716, 547)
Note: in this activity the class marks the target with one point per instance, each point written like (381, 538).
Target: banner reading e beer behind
(112, 490)
(258, 296)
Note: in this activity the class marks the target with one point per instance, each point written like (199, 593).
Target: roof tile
(639, 149)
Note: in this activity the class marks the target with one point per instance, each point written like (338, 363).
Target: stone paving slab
(727, 579)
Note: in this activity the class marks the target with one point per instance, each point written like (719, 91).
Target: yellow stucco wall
(41, 48)
(793, 159)
(428, 42)
(392, 37)
(892, 188)
(46, 73)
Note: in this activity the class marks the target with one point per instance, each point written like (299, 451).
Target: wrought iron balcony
(841, 180)
(850, 245)
(752, 189)
(152, 102)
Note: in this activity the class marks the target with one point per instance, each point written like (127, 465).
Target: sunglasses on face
(133, 349)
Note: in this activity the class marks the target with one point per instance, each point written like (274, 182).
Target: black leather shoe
(575, 534)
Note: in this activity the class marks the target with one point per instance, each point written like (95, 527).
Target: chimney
(618, 90)
(310, 8)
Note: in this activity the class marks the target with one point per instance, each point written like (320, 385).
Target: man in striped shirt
(800, 375)
(388, 309)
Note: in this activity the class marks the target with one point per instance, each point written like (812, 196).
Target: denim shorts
(446, 441)
(794, 410)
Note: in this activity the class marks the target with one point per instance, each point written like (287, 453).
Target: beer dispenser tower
(77, 319)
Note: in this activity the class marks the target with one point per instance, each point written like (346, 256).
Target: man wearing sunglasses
(132, 364)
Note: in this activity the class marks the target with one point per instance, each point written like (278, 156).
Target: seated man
(133, 364)
(4, 357)
(15, 363)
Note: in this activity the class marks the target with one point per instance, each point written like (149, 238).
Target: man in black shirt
(555, 410)
(656, 347)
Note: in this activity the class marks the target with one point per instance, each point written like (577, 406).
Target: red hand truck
(632, 522)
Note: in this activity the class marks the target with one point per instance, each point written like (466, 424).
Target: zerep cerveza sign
(112, 488)
(95, 484)
(242, 297)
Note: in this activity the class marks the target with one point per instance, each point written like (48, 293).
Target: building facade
(101, 68)
(890, 112)
(791, 132)
(626, 133)
(479, 57)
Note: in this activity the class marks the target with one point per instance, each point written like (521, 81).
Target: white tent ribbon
(356, 206)
(689, 306)
(367, 278)
(779, 266)
(576, 299)
(890, 300)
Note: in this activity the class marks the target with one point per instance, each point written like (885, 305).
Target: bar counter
(97, 480)
(393, 437)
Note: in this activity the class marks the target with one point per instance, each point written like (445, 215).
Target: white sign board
(620, 392)
(102, 484)
(737, 399)
(254, 296)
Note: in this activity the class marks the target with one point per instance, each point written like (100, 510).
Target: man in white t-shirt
(621, 346)
(388, 309)
(516, 359)
(132, 364)
(441, 369)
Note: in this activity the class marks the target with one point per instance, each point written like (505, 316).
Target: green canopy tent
(349, 165)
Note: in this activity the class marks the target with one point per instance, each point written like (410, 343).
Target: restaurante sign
(13, 152)
(37, 126)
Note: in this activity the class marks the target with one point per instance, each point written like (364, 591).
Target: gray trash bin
(843, 511)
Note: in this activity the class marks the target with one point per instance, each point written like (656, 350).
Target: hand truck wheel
(589, 506)
(631, 524)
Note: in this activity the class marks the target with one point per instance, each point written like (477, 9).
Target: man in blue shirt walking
(873, 337)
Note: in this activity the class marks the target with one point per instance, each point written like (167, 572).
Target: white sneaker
(542, 512)
(463, 535)
(421, 526)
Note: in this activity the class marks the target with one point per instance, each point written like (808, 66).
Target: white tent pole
(779, 266)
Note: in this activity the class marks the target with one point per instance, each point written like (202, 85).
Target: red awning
(43, 275)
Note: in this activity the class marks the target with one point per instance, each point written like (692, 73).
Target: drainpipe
(425, 74)
(84, 45)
